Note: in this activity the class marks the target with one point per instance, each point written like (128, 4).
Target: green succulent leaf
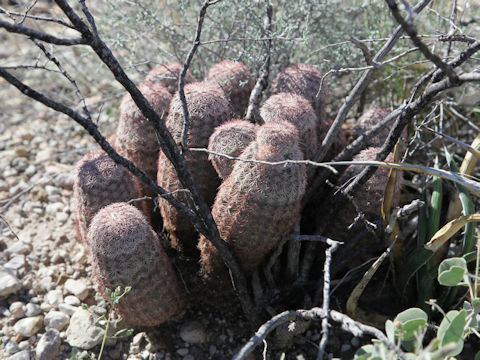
(410, 322)
(451, 271)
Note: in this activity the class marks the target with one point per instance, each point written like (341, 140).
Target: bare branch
(38, 18)
(20, 29)
(262, 81)
(411, 30)
(352, 326)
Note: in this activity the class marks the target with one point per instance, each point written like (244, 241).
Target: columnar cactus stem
(237, 82)
(231, 139)
(258, 204)
(297, 110)
(125, 251)
(208, 108)
(99, 181)
(167, 75)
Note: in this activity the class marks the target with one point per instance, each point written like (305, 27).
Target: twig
(39, 18)
(9, 227)
(326, 296)
(186, 65)
(262, 81)
(350, 325)
(411, 30)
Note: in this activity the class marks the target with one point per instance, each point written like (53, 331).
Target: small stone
(77, 288)
(193, 332)
(53, 208)
(30, 170)
(16, 262)
(72, 300)
(182, 351)
(188, 357)
(48, 346)
(45, 307)
(22, 355)
(212, 349)
(18, 247)
(21, 152)
(98, 310)
(355, 342)
(345, 348)
(16, 309)
(61, 217)
(83, 332)
(28, 326)
(116, 352)
(24, 345)
(67, 309)
(54, 297)
(52, 190)
(56, 320)
(9, 284)
(12, 347)
(32, 309)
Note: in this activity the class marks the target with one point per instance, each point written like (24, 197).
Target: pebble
(9, 284)
(83, 332)
(67, 309)
(193, 332)
(53, 208)
(116, 352)
(12, 347)
(182, 351)
(188, 357)
(30, 170)
(72, 300)
(61, 217)
(54, 297)
(16, 262)
(77, 288)
(18, 247)
(22, 355)
(98, 310)
(345, 348)
(355, 342)
(48, 346)
(32, 309)
(16, 309)
(56, 320)
(28, 326)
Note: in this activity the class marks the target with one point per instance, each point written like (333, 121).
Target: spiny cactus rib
(99, 181)
(231, 139)
(368, 120)
(125, 251)
(136, 139)
(167, 75)
(237, 82)
(305, 80)
(208, 108)
(297, 110)
(258, 204)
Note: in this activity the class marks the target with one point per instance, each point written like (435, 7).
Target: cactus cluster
(236, 81)
(369, 119)
(254, 203)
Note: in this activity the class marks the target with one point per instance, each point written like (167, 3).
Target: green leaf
(411, 321)
(128, 289)
(451, 271)
(390, 330)
(477, 357)
(108, 291)
(451, 330)
(415, 260)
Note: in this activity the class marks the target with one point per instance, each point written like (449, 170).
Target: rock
(22, 355)
(61, 217)
(32, 309)
(18, 247)
(28, 326)
(52, 209)
(182, 351)
(16, 262)
(54, 297)
(9, 284)
(77, 288)
(193, 332)
(16, 309)
(12, 347)
(48, 346)
(116, 352)
(72, 300)
(56, 320)
(83, 332)
(67, 309)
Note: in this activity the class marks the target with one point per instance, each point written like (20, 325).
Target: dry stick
(364, 81)
(326, 295)
(348, 324)
(39, 18)
(203, 221)
(262, 81)
(411, 31)
(20, 29)
(186, 65)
